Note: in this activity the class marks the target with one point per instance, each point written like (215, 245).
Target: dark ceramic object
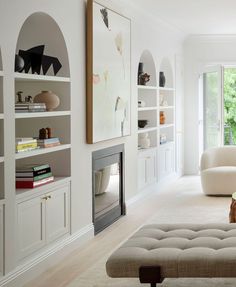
(142, 123)
(162, 80)
(19, 63)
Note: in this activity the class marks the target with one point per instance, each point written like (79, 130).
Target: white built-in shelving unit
(157, 161)
(31, 220)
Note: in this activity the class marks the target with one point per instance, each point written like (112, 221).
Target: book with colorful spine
(51, 142)
(33, 175)
(26, 144)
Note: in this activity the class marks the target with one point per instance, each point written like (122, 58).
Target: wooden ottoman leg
(150, 274)
(232, 213)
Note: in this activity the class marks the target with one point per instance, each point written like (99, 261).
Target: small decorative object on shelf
(33, 175)
(163, 138)
(50, 99)
(162, 118)
(144, 140)
(142, 123)
(26, 144)
(34, 59)
(46, 140)
(19, 63)
(27, 105)
(163, 102)
(143, 78)
(141, 104)
(162, 80)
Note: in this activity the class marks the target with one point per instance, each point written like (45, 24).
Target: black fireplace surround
(108, 186)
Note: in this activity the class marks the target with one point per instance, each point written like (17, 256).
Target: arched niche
(149, 67)
(41, 29)
(166, 67)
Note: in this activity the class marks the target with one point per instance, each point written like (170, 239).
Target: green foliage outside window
(230, 106)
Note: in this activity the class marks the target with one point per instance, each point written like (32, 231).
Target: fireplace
(108, 186)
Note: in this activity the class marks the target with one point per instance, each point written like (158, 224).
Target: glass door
(212, 107)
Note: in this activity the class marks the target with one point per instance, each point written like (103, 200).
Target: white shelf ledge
(35, 77)
(42, 114)
(146, 130)
(1, 158)
(147, 109)
(166, 126)
(167, 143)
(1, 74)
(42, 151)
(142, 87)
(166, 89)
(1, 116)
(166, 107)
(142, 150)
(22, 193)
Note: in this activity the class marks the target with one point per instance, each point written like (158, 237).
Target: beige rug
(181, 202)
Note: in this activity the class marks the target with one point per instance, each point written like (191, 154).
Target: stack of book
(26, 144)
(33, 176)
(51, 142)
(30, 107)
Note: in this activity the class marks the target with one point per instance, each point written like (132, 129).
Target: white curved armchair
(218, 171)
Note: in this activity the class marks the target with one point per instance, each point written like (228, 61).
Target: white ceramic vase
(50, 99)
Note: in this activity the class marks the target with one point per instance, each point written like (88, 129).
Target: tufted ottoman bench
(163, 251)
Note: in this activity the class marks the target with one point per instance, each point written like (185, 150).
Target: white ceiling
(194, 16)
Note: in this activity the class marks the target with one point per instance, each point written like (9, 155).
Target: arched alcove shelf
(166, 67)
(41, 29)
(147, 103)
(149, 67)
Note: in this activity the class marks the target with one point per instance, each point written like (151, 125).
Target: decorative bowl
(142, 123)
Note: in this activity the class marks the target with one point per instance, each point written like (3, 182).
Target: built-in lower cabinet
(146, 168)
(1, 238)
(42, 219)
(166, 160)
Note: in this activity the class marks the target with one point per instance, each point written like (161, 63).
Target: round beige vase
(50, 99)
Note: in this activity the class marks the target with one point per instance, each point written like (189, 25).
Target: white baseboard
(48, 257)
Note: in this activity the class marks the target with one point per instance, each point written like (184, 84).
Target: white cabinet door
(151, 168)
(166, 160)
(141, 172)
(1, 238)
(31, 226)
(57, 213)
(146, 168)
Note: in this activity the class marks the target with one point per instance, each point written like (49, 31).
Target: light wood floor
(81, 259)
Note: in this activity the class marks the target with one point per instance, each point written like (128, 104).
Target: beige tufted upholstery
(218, 170)
(181, 250)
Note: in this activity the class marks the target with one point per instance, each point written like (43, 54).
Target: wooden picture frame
(108, 73)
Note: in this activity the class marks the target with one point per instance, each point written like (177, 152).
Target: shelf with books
(42, 114)
(41, 151)
(22, 193)
(22, 77)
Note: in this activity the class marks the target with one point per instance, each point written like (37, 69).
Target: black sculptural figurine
(35, 59)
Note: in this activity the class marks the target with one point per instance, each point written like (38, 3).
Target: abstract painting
(108, 73)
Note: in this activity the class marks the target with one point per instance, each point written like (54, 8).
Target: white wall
(147, 33)
(200, 51)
